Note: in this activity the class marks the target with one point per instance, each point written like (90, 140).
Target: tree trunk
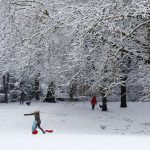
(123, 95)
(104, 102)
(124, 79)
(37, 90)
(73, 90)
(71, 97)
(148, 39)
(5, 83)
(50, 94)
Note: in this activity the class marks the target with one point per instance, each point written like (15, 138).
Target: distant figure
(36, 122)
(93, 102)
(22, 97)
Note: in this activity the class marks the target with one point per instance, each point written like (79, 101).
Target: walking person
(93, 102)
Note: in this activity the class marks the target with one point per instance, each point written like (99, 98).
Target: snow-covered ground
(76, 127)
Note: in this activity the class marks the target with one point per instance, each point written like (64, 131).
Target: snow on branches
(92, 42)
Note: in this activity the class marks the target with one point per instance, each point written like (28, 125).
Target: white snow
(76, 127)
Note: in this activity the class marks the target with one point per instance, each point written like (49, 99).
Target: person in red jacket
(93, 102)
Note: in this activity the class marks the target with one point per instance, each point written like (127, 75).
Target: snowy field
(76, 127)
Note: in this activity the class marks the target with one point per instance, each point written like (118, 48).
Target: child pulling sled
(36, 122)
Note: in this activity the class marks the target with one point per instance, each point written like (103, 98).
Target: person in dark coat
(37, 121)
(93, 102)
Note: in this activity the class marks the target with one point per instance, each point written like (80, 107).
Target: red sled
(49, 131)
(35, 132)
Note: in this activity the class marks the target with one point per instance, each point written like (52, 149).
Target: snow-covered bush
(14, 95)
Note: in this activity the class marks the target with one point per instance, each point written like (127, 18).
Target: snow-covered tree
(67, 41)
